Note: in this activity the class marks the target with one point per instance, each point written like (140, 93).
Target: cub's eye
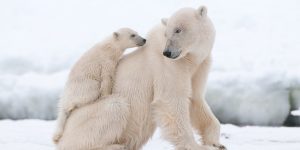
(132, 35)
(177, 30)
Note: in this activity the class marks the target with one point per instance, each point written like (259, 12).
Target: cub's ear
(202, 11)
(164, 21)
(116, 35)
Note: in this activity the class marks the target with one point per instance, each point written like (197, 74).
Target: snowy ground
(36, 135)
(255, 77)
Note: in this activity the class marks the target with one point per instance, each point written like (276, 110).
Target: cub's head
(128, 38)
(188, 31)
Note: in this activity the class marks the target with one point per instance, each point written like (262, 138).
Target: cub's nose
(142, 42)
(167, 53)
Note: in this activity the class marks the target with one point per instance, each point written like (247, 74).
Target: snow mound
(296, 112)
(249, 99)
(31, 95)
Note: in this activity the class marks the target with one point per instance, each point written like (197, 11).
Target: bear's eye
(177, 30)
(132, 35)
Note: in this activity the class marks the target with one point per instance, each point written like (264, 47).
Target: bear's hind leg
(112, 122)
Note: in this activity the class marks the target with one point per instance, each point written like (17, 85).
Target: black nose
(167, 53)
(144, 40)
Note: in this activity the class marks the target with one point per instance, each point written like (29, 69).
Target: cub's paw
(56, 138)
(70, 108)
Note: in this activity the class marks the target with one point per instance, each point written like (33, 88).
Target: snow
(36, 135)
(296, 112)
(255, 78)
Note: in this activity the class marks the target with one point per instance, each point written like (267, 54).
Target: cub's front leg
(106, 85)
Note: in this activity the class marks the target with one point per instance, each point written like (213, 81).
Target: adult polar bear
(151, 89)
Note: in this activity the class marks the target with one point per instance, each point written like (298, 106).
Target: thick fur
(153, 90)
(91, 78)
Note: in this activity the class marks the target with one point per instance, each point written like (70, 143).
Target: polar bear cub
(92, 76)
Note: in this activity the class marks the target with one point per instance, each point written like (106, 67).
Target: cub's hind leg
(112, 147)
(61, 123)
(96, 126)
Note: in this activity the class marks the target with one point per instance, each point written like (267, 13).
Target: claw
(70, 109)
(56, 138)
(220, 147)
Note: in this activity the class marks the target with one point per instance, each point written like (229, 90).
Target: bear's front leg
(205, 123)
(203, 120)
(173, 118)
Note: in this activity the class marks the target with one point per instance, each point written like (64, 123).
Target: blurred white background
(255, 79)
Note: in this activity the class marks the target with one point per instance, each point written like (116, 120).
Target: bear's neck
(112, 49)
(193, 59)
(199, 54)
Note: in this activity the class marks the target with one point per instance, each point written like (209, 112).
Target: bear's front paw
(219, 146)
(215, 144)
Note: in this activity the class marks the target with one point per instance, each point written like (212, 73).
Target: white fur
(91, 78)
(152, 91)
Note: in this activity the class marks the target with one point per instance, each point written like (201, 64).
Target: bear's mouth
(171, 54)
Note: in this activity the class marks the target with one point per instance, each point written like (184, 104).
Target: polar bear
(92, 76)
(160, 84)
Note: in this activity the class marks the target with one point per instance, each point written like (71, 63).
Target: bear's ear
(202, 11)
(116, 35)
(164, 21)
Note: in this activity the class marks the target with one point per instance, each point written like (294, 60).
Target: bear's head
(128, 38)
(189, 31)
